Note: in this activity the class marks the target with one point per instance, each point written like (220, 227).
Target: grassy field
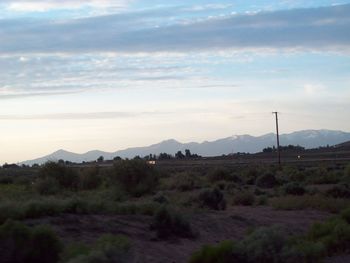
(209, 210)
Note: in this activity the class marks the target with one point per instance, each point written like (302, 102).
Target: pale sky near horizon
(111, 74)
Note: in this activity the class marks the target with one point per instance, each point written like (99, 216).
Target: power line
(278, 138)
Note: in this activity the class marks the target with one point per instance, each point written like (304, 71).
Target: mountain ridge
(227, 145)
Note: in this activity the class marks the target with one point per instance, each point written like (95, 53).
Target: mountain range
(238, 143)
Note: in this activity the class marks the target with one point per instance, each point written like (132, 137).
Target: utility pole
(278, 138)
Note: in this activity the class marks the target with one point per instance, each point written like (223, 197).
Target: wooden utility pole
(278, 138)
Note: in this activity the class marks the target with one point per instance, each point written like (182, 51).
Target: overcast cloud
(316, 28)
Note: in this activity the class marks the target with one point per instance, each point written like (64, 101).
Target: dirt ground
(213, 227)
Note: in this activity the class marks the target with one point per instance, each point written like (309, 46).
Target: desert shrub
(304, 251)
(19, 243)
(107, 249)
(6, 179)
(40, 208)
(168, 223)
(136, 177)
(221, 253)
(160, 198)
(213, 199)
(316, 202)
(345, 215)
(89, 178)
(334, 234)
(264, 245)
(292, 174)
(185, 181)
(23, 180)
(245, 198)
(47, 186)
(293, 188)
(267, 180)
(221, 174)
(65, 176)
(250, 175)
(258, 191)
(339, 191)
(74, 250)
(346, 176)
(320, 175)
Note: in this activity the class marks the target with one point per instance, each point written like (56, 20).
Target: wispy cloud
(79, 116)
(314, 28)
(34, 94)
(41, 6)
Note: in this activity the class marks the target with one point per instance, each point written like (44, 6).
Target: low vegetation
(273, 244)
(168, 200)
(19, 243)
(169, 223)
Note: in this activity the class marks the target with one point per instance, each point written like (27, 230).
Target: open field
(129, 211)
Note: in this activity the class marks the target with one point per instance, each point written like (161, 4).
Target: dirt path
(212, 226)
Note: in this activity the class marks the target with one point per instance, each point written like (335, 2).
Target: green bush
(267, 180)
(136, 177)
(89, 178)
(346, 176)
(339, 191)
(213, 199)
(185, 181)
(250, 175)
(47, 186)
(273, 245)
(345, 214)
(321, 175)
(334, 234)
(65, 176)
(19, 243)
(107, 249)
(293, 188)
(264, 245)
(168, 223)
(244, 198)
(160, 198)
(317, 202)
(221, 174)
(74, 250)
(304, 251)
(6, 179)
(293, 174)
(222, 253)
(262, 200)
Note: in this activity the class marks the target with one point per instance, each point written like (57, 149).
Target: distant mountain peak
(235, 143)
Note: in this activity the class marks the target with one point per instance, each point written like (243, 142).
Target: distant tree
(61, 161)
(137, 157)
(117, 158)
(100, 159)
(290, 148)
(188, 153)
(179, 155)
(8, 166)
(164, 156)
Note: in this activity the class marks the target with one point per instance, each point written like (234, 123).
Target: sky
(81, 75)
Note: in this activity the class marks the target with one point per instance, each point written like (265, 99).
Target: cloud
(34, 94)
(79, 116)
(42, 6)
(311, 29)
